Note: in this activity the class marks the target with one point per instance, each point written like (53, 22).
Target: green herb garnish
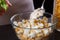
(3, 4)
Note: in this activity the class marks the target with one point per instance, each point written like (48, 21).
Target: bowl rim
(34, 28)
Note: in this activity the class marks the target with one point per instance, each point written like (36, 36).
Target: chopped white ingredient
(14, 27)
(28, 27)
(50, 29)
(50, 24)
(35, 27)
(18, 32)
(23, 21)
(38, 31)
(20, 24)
(25, 25)
(31, 35)
(46, 32)
(26, 31)
(15, 23)
(41, 25)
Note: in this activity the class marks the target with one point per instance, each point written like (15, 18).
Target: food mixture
(33, 29)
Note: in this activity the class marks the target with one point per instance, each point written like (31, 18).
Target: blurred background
(10, 34)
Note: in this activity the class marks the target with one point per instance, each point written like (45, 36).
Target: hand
(4, 8)
(9, 4)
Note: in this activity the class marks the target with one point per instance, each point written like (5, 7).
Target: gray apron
(18, 6)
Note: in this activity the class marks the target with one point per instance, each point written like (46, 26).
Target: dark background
(7, 32)
(48, 5)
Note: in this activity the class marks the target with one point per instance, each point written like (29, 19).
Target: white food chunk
(50, 24)
(35, 27)
(15, 23)
(50, 29)
(20, 24)
(46, 32)
(14, 27)
(18, 32)
(38, 31)
(31, 35)
(26, 31)
(41, 25)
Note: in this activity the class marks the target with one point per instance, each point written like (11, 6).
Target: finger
(7, 1)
